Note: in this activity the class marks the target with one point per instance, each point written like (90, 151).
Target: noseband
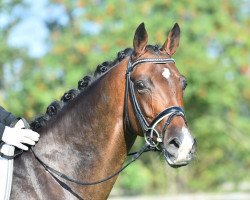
(152, 137)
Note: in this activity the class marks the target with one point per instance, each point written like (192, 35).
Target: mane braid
(56, 106)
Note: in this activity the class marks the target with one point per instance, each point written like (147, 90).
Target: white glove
(16, 136)
(19, 124)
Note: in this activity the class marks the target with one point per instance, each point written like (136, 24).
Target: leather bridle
(152, 137)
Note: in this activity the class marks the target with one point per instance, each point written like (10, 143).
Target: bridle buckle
(153, 138)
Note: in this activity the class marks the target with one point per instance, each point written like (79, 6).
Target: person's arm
(15, 136)
(2, 127)
(6, 118)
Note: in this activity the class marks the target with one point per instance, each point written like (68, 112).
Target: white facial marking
(186, 146)
(166, 73)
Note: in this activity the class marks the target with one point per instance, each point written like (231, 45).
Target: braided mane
(83, 83)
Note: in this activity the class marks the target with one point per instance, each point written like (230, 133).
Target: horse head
(155, 89)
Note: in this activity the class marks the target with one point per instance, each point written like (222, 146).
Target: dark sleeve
(6, 118)
(2, 127)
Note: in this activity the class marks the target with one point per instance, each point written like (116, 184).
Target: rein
(149, 129)
(53, 172)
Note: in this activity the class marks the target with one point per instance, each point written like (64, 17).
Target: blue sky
(31, 32)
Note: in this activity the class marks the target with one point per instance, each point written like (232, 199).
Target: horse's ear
(172, 42)
(140, 40)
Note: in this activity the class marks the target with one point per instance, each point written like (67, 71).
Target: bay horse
(89, 132)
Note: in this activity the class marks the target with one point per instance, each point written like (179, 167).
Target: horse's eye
(140, 85)
(184, 82)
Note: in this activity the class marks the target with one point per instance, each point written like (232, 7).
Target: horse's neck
(90, 136)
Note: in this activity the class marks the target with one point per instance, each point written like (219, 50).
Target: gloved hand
(16, 136)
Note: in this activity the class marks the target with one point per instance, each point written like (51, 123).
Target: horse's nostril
(172, 148)
(193, 147)
(174, 143)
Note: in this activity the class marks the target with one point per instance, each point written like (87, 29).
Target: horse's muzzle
(179, 151)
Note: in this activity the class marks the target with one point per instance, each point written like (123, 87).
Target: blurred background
(46, 46)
